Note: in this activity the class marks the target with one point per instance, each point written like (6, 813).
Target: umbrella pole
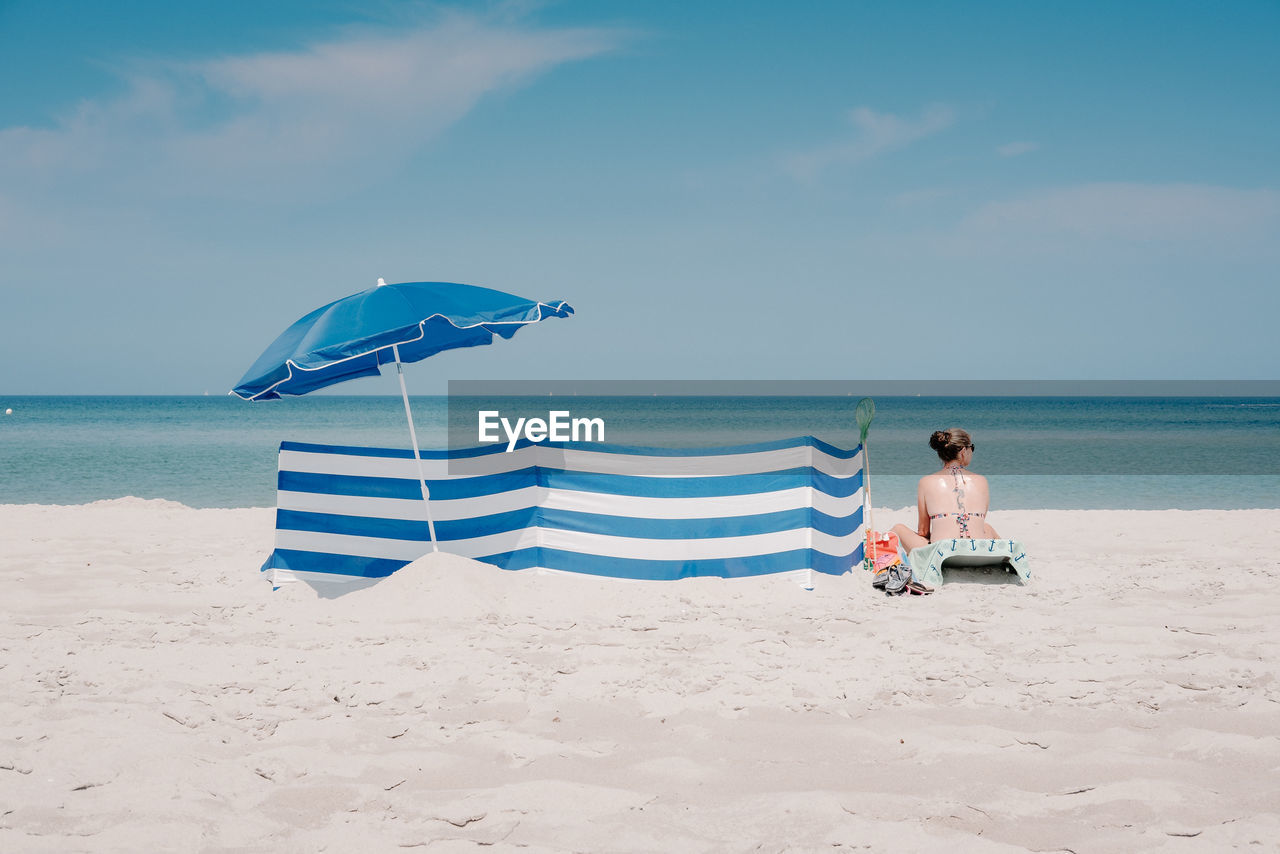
(417, 456)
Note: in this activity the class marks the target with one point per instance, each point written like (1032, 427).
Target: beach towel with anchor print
(928, 561)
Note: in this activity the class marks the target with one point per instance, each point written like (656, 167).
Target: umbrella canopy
(405, 322)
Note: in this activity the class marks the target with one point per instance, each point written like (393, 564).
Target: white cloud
(1015, 149)
(874, 134)
(335, 112)
(1177, 214)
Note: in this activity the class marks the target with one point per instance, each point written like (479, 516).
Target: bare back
(953, 504)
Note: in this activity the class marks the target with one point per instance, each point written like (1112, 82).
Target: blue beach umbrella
(354, 336)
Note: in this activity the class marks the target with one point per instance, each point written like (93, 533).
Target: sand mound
(448, 587)
(439, 586)
(445, 586)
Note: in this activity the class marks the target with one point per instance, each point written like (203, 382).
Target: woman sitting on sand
(952, 502)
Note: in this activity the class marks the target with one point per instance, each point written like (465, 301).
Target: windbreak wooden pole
(864, 414)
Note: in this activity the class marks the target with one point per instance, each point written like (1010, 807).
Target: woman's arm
(922, 524)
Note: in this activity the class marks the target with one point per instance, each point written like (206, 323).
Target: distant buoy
(8, 412)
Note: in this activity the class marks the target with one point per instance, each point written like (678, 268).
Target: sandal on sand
(897, 578)
(915, 588)
(880, 578)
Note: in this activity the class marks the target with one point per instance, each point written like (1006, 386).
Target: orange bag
(881, 550)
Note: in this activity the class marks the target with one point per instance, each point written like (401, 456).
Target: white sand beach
(155, 694)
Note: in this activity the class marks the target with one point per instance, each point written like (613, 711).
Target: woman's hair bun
(949, 443)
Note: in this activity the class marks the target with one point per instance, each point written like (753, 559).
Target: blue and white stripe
(347, 514)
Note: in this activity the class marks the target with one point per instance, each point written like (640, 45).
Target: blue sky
(723, 190)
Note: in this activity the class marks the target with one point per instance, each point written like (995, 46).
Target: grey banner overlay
(1075, 427)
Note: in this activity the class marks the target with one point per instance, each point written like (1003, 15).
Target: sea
(1058, 452)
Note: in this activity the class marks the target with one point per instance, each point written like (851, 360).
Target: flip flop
(898, 576)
